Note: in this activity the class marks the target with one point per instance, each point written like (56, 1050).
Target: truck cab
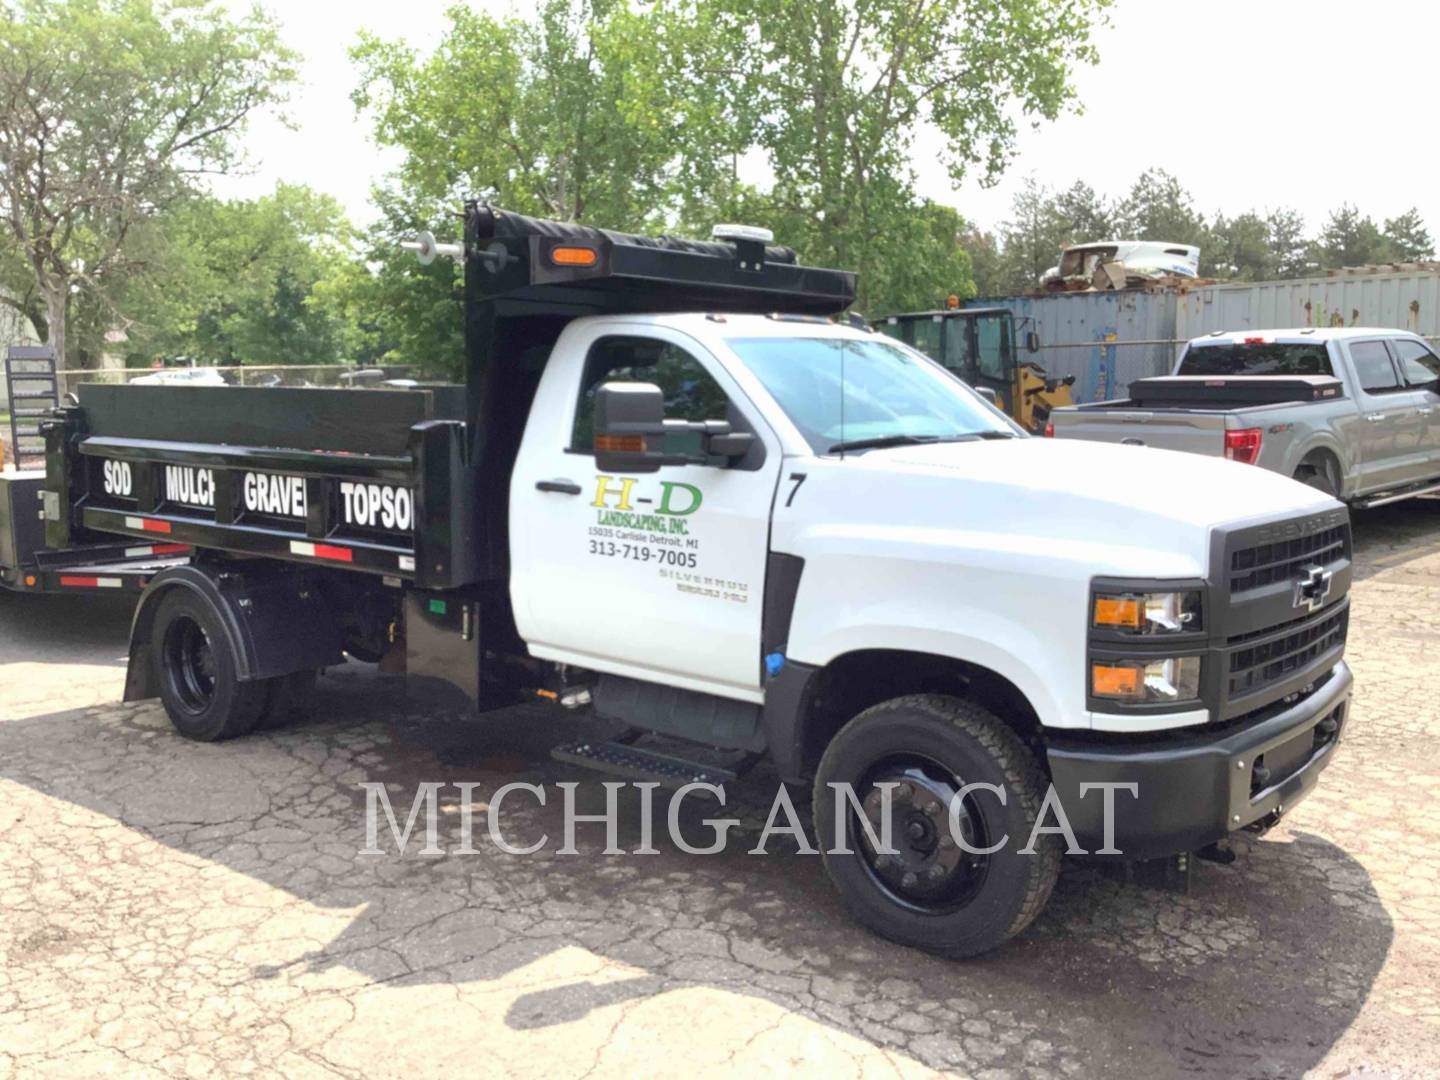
(682, 490)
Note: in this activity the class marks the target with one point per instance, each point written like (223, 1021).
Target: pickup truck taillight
(1243, 445)
(1050, 429)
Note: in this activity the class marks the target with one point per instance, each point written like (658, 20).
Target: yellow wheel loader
(978, 345)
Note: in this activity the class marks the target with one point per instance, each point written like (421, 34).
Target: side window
(1373, 367)
(1418, 364)
(691, 393)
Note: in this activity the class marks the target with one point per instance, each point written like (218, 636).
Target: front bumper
(1195, 788)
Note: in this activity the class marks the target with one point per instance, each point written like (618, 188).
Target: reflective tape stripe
(321, 551)
(82, 581)
(147, 524)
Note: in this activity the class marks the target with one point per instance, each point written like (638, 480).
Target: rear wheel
(197, 673)
(937, 892)
(288, 699)
(1319, 475)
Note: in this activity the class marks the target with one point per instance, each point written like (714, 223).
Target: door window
(1419, 365)
(993, 344)
(691, 392)
(1373, 367)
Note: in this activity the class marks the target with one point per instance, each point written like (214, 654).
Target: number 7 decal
(799, 478)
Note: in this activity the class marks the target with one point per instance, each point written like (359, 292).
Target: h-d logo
(1313, 588)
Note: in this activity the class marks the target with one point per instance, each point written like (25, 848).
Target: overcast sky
(1251, 103)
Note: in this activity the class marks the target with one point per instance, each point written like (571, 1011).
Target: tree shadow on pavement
(1256, 971)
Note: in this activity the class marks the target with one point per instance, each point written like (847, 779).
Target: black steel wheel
(955, 880)
(196, 671)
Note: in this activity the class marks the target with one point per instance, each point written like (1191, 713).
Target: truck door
(1388, 411)
(1420, 368)
(657, 575)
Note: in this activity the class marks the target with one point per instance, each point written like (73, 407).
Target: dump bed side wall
(372, 481)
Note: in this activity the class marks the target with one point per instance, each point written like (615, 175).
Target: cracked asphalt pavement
(173, 909)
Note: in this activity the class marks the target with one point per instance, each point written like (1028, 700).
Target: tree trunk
(56, 296)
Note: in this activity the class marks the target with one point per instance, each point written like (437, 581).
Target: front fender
(1023, 622)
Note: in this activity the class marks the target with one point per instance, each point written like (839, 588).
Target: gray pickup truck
(1354, 412)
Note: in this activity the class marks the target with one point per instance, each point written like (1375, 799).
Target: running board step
(1396, 496)
(634, 763)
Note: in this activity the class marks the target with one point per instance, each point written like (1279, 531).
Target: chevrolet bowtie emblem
(1313, 588)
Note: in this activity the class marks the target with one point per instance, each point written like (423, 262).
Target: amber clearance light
(573, 256)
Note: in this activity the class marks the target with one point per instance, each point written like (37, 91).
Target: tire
(929, 743)
(288, 698)
(196, 672)
(1319, 478)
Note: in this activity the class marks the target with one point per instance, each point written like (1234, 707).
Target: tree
(839, 96)
(1238, 248)
(1289, 250)
(1042, 223)
(1350, 239)
(559, 117)
(1408, 238)
(1157, 207)
(108, 110)
(237, 282)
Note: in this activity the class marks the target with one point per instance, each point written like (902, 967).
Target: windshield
(842, 391)
(1257, 358)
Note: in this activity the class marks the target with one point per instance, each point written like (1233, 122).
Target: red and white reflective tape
(156, 549)
(147, 525)
(407, 562)
(321, 551)
(86, 581)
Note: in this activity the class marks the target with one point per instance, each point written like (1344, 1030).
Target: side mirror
(1032, 341)
(632, 434)
(988, 393)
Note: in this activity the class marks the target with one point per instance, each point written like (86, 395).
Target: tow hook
(1263, 825)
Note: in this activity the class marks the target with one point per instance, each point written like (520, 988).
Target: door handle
(1425, 410)
(559, 487)
(1375, 417)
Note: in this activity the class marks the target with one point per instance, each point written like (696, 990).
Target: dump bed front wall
(296, 418)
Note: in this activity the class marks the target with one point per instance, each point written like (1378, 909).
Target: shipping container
(1105, 339)
(1399, 300)
(1109, 339)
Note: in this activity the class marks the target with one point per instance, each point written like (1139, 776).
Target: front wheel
(938, 891)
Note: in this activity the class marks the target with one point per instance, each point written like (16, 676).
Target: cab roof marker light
(754, 233)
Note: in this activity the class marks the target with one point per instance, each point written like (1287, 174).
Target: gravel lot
(173, 909)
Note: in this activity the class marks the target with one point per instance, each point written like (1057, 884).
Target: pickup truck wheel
(936, 894)
(1317, 475)
(196, 672)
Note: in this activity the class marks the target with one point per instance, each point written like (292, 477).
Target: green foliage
(1250, 246)
(1042, 223)
(638, 117)
(243, 282)
(1157, 207)
(108, 110)
(1408, 238)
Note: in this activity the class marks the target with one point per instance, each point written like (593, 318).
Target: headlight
(1148, 613)
(1146, 682)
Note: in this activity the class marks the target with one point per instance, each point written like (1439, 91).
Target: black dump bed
(1221, 391)
(340, 477)
(409, 484)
